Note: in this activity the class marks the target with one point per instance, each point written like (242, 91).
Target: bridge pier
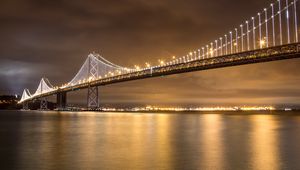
(25, 106)
(61, 100)
(92, 98)
(44, 104)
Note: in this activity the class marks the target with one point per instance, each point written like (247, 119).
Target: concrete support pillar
(61, 100)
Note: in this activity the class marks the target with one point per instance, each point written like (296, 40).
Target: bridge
(270, 35)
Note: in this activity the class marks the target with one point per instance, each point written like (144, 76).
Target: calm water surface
(171, 141)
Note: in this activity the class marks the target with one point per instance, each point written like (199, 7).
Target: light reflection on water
(88, 140)
(264, 141)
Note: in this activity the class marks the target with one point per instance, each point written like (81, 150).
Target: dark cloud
(52, 39)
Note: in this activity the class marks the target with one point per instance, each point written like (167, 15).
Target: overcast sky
(52, 38)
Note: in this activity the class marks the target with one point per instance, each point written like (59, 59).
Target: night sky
(52, 38)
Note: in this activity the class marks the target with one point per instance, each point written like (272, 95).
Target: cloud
(17, 75)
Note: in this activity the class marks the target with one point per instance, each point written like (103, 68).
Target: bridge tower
(25, 106)
(44, 104)
(26, 94)
(92, 97)
(61, 100)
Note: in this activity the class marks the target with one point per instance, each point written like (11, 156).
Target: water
(88, 140)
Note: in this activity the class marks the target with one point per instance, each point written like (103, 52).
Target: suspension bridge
(270, 35)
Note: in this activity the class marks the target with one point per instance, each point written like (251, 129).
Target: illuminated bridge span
(270, 35)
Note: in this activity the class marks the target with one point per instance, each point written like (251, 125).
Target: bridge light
(230, 42)
(242, 36)
(262, 43)
(173, 57)
(259, 27)
(287, 22)
(280, 24)
(248, 39)
(211, 51)
(236, 40)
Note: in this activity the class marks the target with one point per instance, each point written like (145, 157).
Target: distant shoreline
(238, 112)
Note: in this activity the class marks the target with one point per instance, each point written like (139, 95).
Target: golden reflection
(45, 140)
(147, 140)
(138, 141)
(163, 135)
(133, 139)
(87, 143)
(264, 140)
(212, 141)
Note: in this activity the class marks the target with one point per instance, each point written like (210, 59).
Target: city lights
(193, 109)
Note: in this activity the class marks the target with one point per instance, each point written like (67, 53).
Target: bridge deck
(250, 57)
